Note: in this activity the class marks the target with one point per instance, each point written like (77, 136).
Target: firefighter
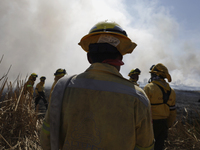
(58, 74)
(162, 98)
(99, 108)
(28, 86)
(40, 92)
(134, 76)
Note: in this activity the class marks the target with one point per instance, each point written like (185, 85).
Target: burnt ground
(188, 103)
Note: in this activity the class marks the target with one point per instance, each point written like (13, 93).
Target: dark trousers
(41, 96)
(160, 133)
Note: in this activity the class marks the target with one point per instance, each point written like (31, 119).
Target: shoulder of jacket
(149, 85)
(141, 95)
(64, 80)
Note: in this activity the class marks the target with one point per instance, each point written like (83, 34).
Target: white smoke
(42, 36)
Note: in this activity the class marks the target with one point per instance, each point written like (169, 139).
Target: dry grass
(185, 134)
(20, 125)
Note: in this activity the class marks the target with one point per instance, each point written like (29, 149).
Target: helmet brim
(125, 46)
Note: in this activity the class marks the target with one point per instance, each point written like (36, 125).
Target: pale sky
(42, 36)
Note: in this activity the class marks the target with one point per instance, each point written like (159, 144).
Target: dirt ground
(188, 103)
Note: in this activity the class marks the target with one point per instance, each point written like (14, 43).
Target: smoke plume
(42, 36)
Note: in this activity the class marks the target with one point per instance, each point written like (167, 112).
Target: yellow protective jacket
(100, 110)
(28, 86)
(39, 88)
(133, 81)
(53, 85)
(159, 109)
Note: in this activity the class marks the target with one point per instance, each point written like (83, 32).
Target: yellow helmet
(60, 72)
(134, 71)
(161, 70)
(108, 32)
(43, 78)
(34, 75)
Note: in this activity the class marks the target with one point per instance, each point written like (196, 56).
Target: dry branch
(18, 121)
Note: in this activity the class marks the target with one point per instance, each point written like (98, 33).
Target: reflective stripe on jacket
(28, 86)
(102, 110)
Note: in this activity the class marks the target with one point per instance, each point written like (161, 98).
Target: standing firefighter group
(39, 89)
(101, 110)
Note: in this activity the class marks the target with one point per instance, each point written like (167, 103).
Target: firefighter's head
(33, 76)
(107, 42)
(42, 79)
(134, 74)
(161, 71)
(59, 73)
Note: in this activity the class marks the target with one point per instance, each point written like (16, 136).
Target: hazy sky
(42, 36)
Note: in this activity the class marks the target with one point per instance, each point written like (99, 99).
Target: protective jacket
(28, 86)
(100, 110)
(159, 108)
(40, 94)
(53, 85)
(39, 88)
(134, 82)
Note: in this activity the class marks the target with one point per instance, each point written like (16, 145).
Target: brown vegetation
(185, 134)
(19, 123)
